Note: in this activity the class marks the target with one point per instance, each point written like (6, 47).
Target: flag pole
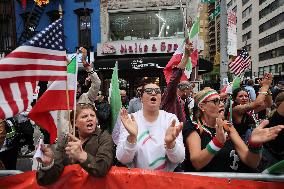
(67, 97)
(75, 102)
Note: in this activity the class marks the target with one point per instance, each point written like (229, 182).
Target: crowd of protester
(172, 130)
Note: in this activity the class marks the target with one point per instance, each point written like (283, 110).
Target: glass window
(271, 23)
(246, 24)
(85, 31)
(246, 36)
(244, 2)
(145, 25)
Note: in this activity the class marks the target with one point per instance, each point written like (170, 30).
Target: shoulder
(188, 127)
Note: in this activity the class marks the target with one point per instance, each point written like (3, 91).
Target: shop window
(84, 27)
(146, 25)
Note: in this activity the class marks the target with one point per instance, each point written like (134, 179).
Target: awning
(145, 62)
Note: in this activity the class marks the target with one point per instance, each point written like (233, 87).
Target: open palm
(129, 122)
(261, 134)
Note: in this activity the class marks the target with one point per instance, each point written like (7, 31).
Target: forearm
(125, 151)
(46, 177)
(247, 157)
(177, 153)
(201, 159)
(95, 85)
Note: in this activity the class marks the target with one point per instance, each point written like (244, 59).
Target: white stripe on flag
(4, 105)
(39, 50)
(5, 75)
(27, 61)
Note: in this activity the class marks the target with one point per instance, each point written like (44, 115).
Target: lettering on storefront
(139, 48)
(138, 64)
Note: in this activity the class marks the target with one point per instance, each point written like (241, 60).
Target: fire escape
(31, 20)
(7, 27)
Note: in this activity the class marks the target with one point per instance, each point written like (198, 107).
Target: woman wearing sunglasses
(208, 148)
(151, 138)
(244, 110)
(92, 150)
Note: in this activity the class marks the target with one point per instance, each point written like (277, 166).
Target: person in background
(135, 104)
(184, 92)
(244, 118)
(92, 150)
(124, 99)
(150, 138)
(103, 111)
(171, 102)
(277, 89)
(2, 139)
(249, 87)
(10, 147)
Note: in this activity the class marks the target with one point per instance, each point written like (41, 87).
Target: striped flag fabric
(115, 99)
(42, 58)
(241, 63)
(45, 111)
(178, 54)
(193, 37)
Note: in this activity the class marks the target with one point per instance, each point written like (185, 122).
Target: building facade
(81, 21)
(260, 26)
(141, 36)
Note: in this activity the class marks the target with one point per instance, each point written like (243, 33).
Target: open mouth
(221, 110)
(153, 99)
(90, 125)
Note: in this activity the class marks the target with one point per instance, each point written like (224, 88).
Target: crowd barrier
(74, 177)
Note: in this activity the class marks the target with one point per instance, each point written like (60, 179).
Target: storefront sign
(139, 46)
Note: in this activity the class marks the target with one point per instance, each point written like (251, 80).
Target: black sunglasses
(216, 101)
(150, 90)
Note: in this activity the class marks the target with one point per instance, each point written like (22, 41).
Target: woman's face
(213, 107)
(151, 97)
(86, 122)
(242, 97)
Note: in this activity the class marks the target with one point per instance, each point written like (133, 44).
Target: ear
(201, 107)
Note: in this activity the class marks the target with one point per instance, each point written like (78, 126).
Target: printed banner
(74, 177)
(232, 33)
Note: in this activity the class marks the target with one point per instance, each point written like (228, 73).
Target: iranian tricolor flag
(178, 55)
(45, 111)
(193, 37)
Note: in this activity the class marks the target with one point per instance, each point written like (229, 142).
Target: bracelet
(255, 148)
(165, 145)
(130, 142)
(265, 93)
(91, 72)
(214, 146)
(45, 168)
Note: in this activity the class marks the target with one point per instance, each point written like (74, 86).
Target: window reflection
(145, 25)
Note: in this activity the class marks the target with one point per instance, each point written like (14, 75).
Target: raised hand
(48, 155)
(84, 57)
(129, 123)
(266, 80)
(261, 134)
(220, 134)
(188, 48)
(74, 149)
(172, 133)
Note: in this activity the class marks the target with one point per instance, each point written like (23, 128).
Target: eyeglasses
(150, 90)
(216, 101)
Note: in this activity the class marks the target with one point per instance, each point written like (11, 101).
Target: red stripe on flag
(24, 94)
(30, 55)
(32, 78)
(11, 102)
(2, 114)
(13, 67)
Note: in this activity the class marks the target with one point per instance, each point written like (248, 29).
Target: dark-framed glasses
(150, 90)
(216, 101)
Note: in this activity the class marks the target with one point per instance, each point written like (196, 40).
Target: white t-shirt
(149, 151)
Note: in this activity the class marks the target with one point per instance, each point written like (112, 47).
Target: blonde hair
(198, 98)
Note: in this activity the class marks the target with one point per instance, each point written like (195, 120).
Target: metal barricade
(241, 176)
(4, 173)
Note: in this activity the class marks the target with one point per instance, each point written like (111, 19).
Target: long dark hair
(236, 91)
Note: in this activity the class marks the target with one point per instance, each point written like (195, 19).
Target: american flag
(241, 62)
(42, 58)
